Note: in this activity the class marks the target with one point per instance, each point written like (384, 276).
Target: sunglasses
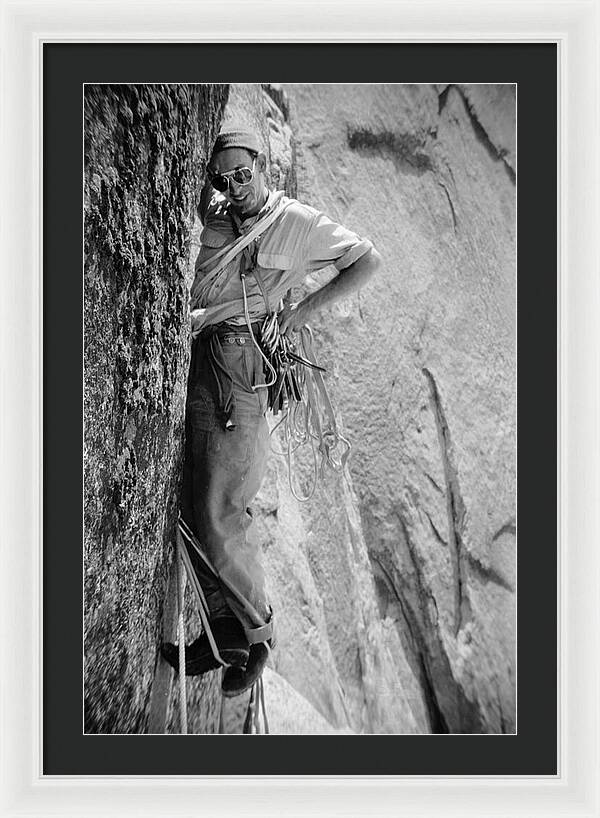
(241, 176)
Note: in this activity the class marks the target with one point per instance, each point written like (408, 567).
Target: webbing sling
(202, 604)
(256, 709)
(262, 630)
(183, 561)
(256, 706)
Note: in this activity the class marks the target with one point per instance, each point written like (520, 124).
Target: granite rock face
(395, 585)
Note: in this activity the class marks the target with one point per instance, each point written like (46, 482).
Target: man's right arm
(205, 197)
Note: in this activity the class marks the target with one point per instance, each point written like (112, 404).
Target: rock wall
(145, 150)
(394, 586)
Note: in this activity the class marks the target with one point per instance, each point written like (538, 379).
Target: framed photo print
(301, 416)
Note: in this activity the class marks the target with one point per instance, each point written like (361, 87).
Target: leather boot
(231, 642)
(236, 680)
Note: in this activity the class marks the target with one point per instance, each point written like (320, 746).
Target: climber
(256, 244)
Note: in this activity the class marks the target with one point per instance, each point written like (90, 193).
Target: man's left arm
(328, 242)
(347, 281)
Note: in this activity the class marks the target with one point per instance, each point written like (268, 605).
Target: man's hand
(292, 317)
(347, 281)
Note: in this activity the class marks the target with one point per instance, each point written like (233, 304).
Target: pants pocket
(201, 410)
(230, 449)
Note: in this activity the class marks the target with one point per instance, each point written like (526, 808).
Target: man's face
(246, 200)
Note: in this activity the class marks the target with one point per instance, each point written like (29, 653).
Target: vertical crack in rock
(433, 483)
(359, 304)
(455, 509)
(448, 708)
(497, 154)
(450, 202)
(443, 98)
(275, 91)
(417, 654)
(436, 533)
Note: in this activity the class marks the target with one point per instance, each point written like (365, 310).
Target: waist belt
(224, 330)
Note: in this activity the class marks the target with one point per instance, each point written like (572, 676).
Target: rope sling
(256, 707)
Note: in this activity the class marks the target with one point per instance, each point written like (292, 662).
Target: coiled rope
(308, 418)
(296, 388)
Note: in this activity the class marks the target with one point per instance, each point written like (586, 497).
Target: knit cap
(236, 139)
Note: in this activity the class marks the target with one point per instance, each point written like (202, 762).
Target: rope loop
(299, 394)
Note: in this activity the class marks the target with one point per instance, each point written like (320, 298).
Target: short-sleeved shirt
(301, 241)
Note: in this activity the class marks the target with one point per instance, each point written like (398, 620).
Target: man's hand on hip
(292, 317)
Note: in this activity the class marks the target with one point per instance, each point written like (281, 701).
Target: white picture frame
(574, 26)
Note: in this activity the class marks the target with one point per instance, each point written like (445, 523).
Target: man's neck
(263, 200)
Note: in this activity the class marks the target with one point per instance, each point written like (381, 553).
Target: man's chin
(244, 208)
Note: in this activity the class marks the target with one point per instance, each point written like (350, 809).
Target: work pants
(223, 471)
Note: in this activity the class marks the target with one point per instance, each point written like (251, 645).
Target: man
(255, 246)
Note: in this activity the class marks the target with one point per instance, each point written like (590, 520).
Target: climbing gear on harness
(300, 395)
(296, 388)
(283, 358)
(272, 372)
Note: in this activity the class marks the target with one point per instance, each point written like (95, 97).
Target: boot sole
(203, 664)
(236, 657)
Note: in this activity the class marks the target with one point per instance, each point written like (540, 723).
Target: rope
(254, 341)
(261, 690)
(301, 396)
(202, 604)
(181, 637)
(256, 711)
(192, 540)
(256, 706)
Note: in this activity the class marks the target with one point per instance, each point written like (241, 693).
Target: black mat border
(533, 750)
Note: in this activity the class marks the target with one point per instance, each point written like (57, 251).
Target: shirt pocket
(274, 261)
(210, 242)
